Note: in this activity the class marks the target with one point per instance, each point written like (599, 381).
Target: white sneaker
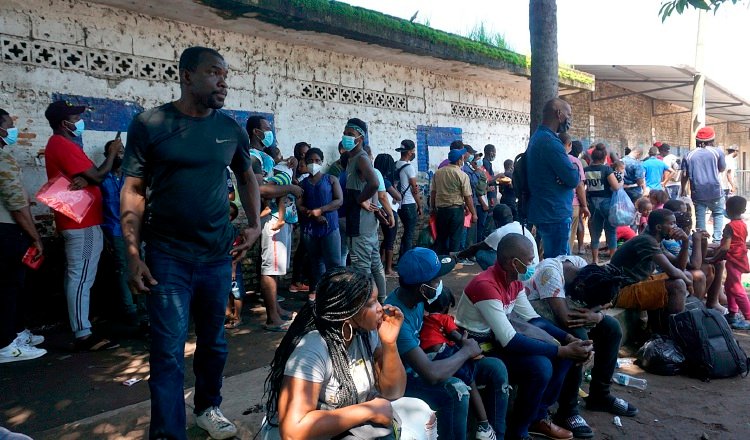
(16, 352)
(218, 426)
(486, 434)
(28, 338)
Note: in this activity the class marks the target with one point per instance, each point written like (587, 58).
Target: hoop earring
(343, 332)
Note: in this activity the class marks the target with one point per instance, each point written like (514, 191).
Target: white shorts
(276, 247)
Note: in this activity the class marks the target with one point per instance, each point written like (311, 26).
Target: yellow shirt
(451, 185)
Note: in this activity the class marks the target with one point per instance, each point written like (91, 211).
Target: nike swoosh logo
(221, 141)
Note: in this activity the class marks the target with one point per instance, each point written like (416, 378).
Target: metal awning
(673, 84)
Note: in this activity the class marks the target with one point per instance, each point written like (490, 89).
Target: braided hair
(596, 285)
(342, 292)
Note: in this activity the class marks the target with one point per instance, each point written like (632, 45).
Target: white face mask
(314, 168)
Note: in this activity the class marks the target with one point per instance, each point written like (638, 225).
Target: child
(658, 198)
(282, 176)
(275, 154)
(438, 339)
(733, 248)
(644, 208)
(234, 306)
(619, 169)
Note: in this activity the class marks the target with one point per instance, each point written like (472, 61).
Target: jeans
(486, 259)
(540, 380)
(300, 270)
(554, 237)
(634, 193)
(202, 288)
(389, 234)
(408, 216)
(134, 307)
(83, 247)
(673, 191)
(607, 336)
(13, 244)
(717, 213)
(364, 251)
(324, 254)
(450, 399)
(481, 220)
(450, 225)
(599, 222)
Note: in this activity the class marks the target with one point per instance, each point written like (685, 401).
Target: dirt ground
(63, 386)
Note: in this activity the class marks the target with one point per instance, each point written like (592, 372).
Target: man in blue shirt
(635, 176)
(657, 172)
(554, 179)
(432, 381)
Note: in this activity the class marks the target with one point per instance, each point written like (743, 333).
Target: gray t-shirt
(183, 160)
(404, 187)
(310, 361)
(703, 166)
(358, 221)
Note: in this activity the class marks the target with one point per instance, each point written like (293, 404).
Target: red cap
(705, 134)
(657, 144)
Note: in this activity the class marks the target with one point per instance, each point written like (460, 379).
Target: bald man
(550, 204)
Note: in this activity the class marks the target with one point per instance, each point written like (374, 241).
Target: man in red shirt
(83, 241)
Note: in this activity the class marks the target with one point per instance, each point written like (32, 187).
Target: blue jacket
(552, 178)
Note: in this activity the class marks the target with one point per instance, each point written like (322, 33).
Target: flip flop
(277, 328)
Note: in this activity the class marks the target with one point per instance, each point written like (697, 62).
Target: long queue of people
(358, 361)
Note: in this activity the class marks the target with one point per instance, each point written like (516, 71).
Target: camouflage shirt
(12, 195)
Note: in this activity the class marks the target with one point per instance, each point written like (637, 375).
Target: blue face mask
(438, 291)
(268, 138)
(471, 158)
(348, 142)
(12, 136)
(529, 271)
(79, 127)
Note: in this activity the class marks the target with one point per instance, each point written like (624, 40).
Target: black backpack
(520, 180)
(710, 349)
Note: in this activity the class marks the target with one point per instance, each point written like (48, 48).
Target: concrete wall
(638, 120)
(121, 62)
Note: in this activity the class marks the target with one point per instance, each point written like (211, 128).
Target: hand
(391, 221)
(470, 346)
(419, 210)
(576, 350)
(315, 212)
(138, 272)
(249, 237)
(474, 218)
(322, 220)
(581, 317)
(292, 163)
(678, 234)
(485, 208)
(382, 411)
(78, 183)
(585, 213)
(391, 324)
(368, 206)
(39, 248)
(115, 147)
(296, 191)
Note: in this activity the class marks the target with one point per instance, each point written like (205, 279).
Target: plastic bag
(621, 210)
(660, 356)
(72, 204)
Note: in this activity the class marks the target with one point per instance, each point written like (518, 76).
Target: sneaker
(577, 425)
(28, 338)
(486, 433)
(214, 422)
(740, 324)
(465, 262)
(299, 287)
(17, 352)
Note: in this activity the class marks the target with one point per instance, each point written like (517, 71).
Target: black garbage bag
(660, 356)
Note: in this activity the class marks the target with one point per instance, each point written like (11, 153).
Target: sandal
(232, 324)
(616, 406)
(94, 343)
(277, 328)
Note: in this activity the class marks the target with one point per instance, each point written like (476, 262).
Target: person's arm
(415, 192)
(15, 200)
(369, 176)
(572, 318)
(685, 177)
(672, 272)
(383, 198)
(434, 372)
(95, 175)
(722, 162)
(696, 257)
(566, 172)
(272, 191)
(582, 201)
(394, 193)
(23, 219)
(336, 201)
(721, 252)
(730, 181)
(473, 249)
(132, 207)
(614, 185)
(299, 417)
(389, 370)
(666, 175)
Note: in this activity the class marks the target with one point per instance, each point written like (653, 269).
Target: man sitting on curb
(639, 257)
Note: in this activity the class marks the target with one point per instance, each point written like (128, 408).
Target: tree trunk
(544, 75)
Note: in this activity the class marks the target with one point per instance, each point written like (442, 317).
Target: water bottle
(235, 290)
(629, 381)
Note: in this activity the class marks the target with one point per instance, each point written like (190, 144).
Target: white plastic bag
(621, 209)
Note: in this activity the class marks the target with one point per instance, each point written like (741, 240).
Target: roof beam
(642, 92)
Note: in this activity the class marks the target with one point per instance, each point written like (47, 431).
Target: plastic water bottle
(629, 381)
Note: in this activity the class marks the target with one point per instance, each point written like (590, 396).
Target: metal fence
(742, 180)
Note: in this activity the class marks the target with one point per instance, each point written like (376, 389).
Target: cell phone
(117, 136)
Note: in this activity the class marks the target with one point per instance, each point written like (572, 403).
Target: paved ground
(67, 395)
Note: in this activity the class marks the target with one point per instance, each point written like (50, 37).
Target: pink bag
(467, 220)
(72, 204)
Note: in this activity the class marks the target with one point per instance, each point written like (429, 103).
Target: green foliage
(485, 35)
(680, 6)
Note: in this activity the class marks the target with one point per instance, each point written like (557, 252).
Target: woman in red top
(734, 249)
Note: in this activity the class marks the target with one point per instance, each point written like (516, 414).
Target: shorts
(650, 294)
(276, 247)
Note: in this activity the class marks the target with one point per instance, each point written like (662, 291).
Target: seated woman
(337, 368)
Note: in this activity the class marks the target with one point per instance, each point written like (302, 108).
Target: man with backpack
(547, 198)
(411, 201)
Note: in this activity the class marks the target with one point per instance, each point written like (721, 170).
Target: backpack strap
(398, 176)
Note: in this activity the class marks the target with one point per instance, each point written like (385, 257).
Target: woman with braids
(337, 368)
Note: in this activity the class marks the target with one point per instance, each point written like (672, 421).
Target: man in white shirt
(486, 251)
(728, 177)
(411, 203)
(671, 161)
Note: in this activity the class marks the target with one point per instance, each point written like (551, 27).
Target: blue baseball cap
(421, 265)
(455, 155)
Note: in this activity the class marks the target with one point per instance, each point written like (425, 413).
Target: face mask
(438, 290)
(314, 168)
(267, 138)
(79, 127)
(471, 158)
(12, 136)
(529, 271)
(564, 126)
(348, 142)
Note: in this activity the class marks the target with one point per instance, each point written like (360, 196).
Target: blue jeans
(450, 399)
(599, 221)
(408, 216)
(554, 237)
(202, 288)
(324, 254)
(486, 259)
(673, 191)
(540, 380)
(717, 213)
(481, 220)
(133, 306)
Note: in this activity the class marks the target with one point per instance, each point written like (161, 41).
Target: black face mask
(564, 126)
